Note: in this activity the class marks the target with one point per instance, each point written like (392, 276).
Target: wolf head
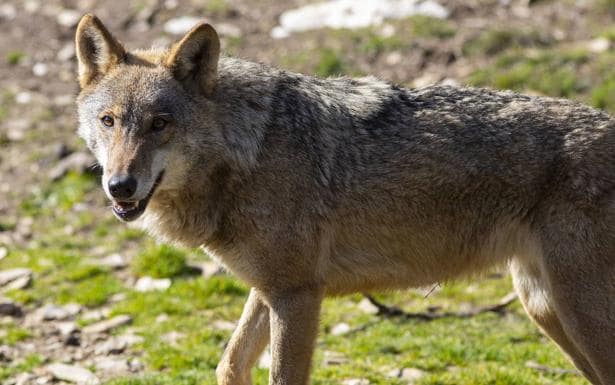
(139, 111)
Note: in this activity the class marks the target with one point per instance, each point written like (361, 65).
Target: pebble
(73, 373)
(40, 69)
(113, 261)
(114, 345)
(9, 308)
(3, 252)
(264, 362)
(210, 269)
(599, 45)
(53, 312)
(66, 328)
(8, 12)
(19, 283)
(7, 276)
(112, 364)
(23, 97)
(408, 375)
(180, 25)
(107, 325)
(66, 53)
(68, 18)
(367, 307)
(356, 381)
(172, 337)
(411, 374)
(146, 283)
(334, 358)
(340, 329)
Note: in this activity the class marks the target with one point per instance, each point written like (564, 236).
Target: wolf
(306, 187)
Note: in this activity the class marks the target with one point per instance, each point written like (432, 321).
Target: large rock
(7, 276)
(73, 373)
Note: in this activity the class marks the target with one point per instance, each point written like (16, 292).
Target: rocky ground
(81, 303)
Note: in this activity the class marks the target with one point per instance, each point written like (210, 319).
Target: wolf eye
(107, 120)
(158, 124)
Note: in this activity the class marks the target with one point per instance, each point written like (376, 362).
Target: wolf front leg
(294, 327)
(248, 341)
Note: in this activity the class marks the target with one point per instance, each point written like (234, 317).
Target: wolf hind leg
(531, 287)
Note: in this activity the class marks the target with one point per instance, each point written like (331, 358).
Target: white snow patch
(352, 14)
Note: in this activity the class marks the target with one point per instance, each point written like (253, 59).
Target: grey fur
(305, 187)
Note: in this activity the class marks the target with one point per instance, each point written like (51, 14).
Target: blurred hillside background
(85, 298)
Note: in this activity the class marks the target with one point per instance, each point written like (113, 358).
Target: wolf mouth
(130, 210)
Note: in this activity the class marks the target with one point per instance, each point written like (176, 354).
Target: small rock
(172, 337)
(387, 30)
(68, 18)
(8, 12)
(334, 358)
(113, 345)
(118, 297)
(23, 97)
(112, 364)
(223, 325)
(3, 252)
(7, 276)
(73, 373)
(40, 69)
(72, 340)
(340, 329)
(79, 162)
(66, 328)
(394, 58)
(53, 312)
(107, 325)
(19, 283)
(264, 362)
(180, 25)
(24, 379)
(210, 269)
(66, 53)
(356, 381)
(10, 308)
(599, 45)
(411, 375)
(164, 317)
(150, 284)
(135, 365)
(449, 82)
(95, 315)
(113, 261)
(367, 307)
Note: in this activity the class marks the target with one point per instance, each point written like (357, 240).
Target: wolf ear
(194, 59)
(97, 50)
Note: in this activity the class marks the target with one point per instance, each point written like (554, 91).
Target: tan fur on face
(305, 187)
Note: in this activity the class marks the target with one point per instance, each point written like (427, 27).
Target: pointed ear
(194, 59)
(97, 50)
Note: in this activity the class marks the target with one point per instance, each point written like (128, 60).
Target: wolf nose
(122, 186)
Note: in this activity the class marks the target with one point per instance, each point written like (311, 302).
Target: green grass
(329, 64)
(14, 57)
(160, 261)
(572, 73)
